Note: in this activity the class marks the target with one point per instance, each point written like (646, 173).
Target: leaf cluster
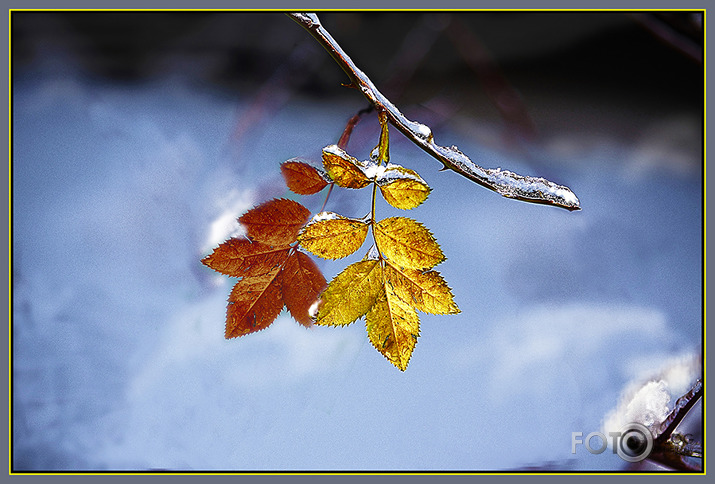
(387, 287)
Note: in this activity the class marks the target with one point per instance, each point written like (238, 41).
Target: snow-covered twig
(682, 407)
(672, 449)
(504, 182)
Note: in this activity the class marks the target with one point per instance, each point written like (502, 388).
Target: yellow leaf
(344, 169)
(332, 236)
(393, 327)
(407, 243)
(402, 188)
(350, 294)
(426, 291)
(383, 146)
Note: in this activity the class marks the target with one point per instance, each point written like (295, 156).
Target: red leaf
(254, 303)
(301, 284)
(273, 273)
(242, 257)
(302, 178)
(275, 222)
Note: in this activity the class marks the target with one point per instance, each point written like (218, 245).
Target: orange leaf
(344, 169)
(254, 303)
(240, 257)
(301, 284)
(275, 222)
(302, 178)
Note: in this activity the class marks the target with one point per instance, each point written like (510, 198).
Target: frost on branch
(506, 183)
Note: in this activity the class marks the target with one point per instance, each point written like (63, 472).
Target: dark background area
(600, 52)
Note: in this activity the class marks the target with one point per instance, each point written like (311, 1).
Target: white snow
(650, 396)
(321, 216)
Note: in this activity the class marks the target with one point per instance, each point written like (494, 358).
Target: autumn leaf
(351, 294)
(273, 276)
(383, 145)
(276, 222)
(401, 187)
(332, 236)
(254, 304)
(393, 327)
(344, 169)
(362, 290)
(303, 178)
(240, 257)
(388, 297)
(427, 291)
(301, 284)
(407, 243)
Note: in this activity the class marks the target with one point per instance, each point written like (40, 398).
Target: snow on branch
(504, 182)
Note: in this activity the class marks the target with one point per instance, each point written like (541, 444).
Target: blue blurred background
(138, 138)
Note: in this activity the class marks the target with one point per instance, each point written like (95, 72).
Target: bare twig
(660, 28)
(348, 131)
(506, 183)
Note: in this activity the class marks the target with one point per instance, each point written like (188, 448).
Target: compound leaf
(426, 291)
(344, 169)
(276, 222)
(332, 236)
(303, 178)
(254, 303)
(301, 284)
(407, 243)
(402, 188)
(240, 257)
(350, 294)
(393, 327)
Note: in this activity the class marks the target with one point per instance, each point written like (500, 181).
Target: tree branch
(504, 182)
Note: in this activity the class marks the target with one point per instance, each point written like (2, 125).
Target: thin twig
(352, 122)
(506, 183)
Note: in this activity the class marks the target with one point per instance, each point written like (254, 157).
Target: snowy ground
(119, 356)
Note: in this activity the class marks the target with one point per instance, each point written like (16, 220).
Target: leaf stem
(372, 219)
(504, 182)
(327, 196)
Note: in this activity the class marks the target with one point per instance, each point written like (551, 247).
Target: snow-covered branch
(504, 182)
